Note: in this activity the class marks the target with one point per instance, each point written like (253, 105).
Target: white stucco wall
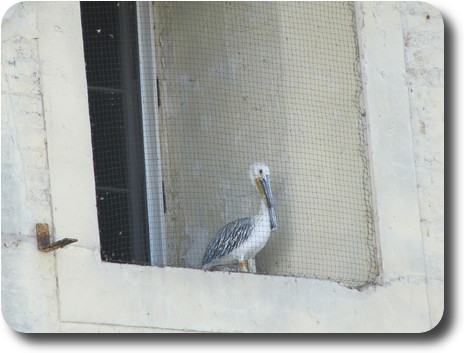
(29, 301)
(423, 35)
(59, 292)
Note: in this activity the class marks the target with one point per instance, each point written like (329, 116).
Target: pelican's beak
(265, 184)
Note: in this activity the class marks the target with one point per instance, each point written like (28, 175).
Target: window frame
(151, 135)
(138, 96)
(94, 291)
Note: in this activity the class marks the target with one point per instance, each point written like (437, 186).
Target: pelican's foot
(244, 266)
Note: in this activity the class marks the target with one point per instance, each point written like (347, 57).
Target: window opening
(112, 68)
(277, 83)
(235, 83)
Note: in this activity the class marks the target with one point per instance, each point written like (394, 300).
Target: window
(234, 84)
(110, 37)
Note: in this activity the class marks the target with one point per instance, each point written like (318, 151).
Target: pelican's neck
(263, 209)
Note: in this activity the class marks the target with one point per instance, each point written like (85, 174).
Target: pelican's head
(261, 177)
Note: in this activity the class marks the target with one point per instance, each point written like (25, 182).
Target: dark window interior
(111, 56)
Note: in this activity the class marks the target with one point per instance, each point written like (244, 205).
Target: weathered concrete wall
(423, 34)
(188, 299)
(29, 297)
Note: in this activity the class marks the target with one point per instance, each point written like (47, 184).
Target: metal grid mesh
(239, 83)
(110, 44)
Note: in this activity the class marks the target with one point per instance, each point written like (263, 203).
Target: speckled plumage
(228, 238)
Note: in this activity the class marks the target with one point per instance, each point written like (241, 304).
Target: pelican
(242, 239)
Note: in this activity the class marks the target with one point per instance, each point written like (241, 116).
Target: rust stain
(43, 239)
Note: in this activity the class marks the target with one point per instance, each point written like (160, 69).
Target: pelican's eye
(260, 171)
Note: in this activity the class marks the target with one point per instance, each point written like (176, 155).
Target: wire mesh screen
(227, 84)
(111, 47)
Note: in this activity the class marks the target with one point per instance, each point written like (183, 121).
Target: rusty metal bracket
(43, 239)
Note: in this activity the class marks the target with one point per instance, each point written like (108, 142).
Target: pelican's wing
(229, 238)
